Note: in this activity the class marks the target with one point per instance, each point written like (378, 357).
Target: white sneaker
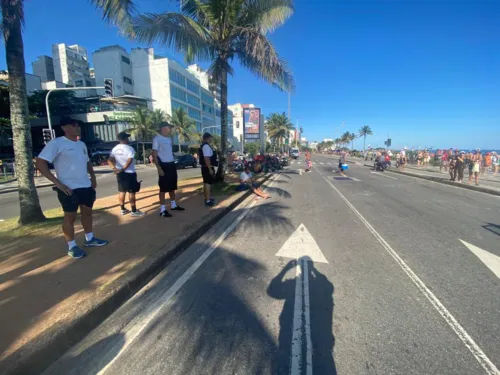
(124, 212)
(137, 213)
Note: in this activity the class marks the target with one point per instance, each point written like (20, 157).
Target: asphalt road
(106, 185)
(383, 286)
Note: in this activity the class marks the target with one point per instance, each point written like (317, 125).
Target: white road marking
(383, 175)
(490, 260)
(354, 179)
(301, 244)
(322, 163)
(131, 335)
(468, 341)
(300, 172)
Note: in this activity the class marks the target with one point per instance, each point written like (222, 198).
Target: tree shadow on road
(321, 309)
(493, 228)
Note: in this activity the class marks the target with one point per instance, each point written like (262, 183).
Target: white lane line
(354, 179)
(307, 319)
(468, 341)
(300, 172)
(322, 163)
(296, 352)
(383, 175)
(135, 331)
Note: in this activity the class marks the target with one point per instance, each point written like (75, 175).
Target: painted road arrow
(491, 261)
(301, 246)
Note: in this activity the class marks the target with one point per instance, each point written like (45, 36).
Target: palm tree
(345, 138)
(219, 31)
(352, 137)
(363, 132)
(184, 127)
(158, 116)
(144, 127)
(115, 11)
(279, 127)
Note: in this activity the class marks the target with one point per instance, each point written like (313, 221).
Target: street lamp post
(63, 89)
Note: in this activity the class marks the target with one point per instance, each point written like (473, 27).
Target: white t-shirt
(245, 176)
(122, 153)
(164, 147)
(70, 161)
(207, 151)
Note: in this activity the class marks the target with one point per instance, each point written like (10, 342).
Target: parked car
(185, 160)
(99, 157)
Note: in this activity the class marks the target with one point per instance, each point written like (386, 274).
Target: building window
(192, 86)
(126, 60)
(237, 124)
(177, 93)
(127, 80)
(193, 100)
(194, 114)
(177, 77)
(176, 105)
(207, 98)
(217, 112)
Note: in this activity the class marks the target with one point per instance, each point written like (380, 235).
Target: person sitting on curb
(73, 186)
(247, 183)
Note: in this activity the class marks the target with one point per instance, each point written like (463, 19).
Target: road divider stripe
(468, 341)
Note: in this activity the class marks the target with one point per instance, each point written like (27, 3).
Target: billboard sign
(251, 123)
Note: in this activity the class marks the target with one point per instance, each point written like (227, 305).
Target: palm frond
(266, 15)
(117, 12)
(174, 30)
(258, 55)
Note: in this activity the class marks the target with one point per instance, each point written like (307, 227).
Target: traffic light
(108, 87)
(389, 142)
(47, 135)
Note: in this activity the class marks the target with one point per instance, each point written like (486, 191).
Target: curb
(36, 356)
(443, 181)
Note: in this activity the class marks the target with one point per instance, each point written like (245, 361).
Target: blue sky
(425, 72)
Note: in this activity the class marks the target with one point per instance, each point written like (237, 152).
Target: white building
(53, 85)
(170, 86)
(328, 140)
(71, 65)
(114, 62)
(44, 68)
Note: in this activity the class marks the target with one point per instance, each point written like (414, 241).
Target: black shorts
(168, 182)
(208, 175)
(70, 203)
(127, 182)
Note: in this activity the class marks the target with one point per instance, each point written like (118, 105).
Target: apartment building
(114, 62)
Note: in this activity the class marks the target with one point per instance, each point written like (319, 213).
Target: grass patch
(224, 188)
(10, 229)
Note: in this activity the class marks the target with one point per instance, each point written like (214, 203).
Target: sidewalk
(41, 181)
(49, 301)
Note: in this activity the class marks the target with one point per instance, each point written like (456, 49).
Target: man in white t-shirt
(163, 157)
(121, 160)
(74, 187)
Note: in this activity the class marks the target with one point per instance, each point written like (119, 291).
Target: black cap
(123, 135)
(65, 120)
(163, 124)
(207, 135)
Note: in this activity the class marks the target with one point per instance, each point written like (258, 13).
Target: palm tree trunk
(223, 130)
(30, 210)
(364, 143)
(143, 152)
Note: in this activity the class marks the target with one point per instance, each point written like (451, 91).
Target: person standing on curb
(208, 160)
(477, 159)
(121, 160)
(73, 186)
(460, 166)
(163, 157)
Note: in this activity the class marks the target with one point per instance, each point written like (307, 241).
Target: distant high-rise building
(44, 68)
(71, 65)
(237, 110)
(114, 62)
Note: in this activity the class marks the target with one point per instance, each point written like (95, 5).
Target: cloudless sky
(425, 72)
